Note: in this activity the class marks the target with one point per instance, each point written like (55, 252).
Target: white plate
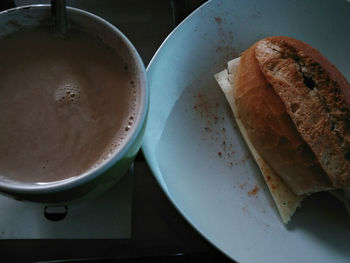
(198, 156)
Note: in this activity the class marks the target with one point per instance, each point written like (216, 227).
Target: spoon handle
(59, 16)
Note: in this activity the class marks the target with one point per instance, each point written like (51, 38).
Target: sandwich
(292, 108)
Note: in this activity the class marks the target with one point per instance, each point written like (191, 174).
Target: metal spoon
(59, 17)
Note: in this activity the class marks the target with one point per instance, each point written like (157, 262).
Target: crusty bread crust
(270, 127)
(315, 96)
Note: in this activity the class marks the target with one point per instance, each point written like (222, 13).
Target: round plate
(196, 152)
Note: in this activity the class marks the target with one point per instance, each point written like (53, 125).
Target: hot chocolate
(66, 105)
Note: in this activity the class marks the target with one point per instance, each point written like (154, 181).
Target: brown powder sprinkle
(207, 108)
(218, 19)
(254, 191)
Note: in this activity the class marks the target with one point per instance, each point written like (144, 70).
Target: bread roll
(294, 108)
(285, 199)
(315, 96)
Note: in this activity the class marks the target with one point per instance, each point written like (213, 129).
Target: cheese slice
(286, 201)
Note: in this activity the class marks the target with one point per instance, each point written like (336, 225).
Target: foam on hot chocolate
(66, 105)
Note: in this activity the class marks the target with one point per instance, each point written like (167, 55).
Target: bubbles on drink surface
(67, 94)
(133, 106)
(113, 147)
(119, 142)
(130, 122)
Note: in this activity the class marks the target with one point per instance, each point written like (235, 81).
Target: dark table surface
(159, 232)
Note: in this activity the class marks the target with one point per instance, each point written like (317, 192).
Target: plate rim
(144, 151)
